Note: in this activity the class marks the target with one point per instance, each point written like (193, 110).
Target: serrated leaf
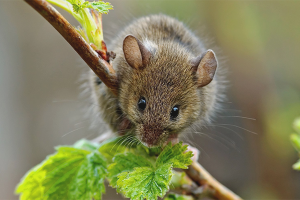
(86, 145)
(77, 5)
(102, 7)
(125, 163)
(145, 182)
(137, 178)
(31, 187)
(71, 173)
(111, 148)
(176, 155)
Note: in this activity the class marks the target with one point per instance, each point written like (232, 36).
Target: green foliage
(78, 171)
(71, 173)
(145, 182)
(91, 22)
(100, 6)
(138, 177)
(295, 139)
(175, 155)
(179, 179)
(112, 147)
(178, 197)
(125, 163)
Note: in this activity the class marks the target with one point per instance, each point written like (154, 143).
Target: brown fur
(166, 81)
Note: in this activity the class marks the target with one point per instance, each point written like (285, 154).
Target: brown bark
(209, 184)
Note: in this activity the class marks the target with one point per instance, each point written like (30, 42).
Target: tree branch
(101, 68)
(209, 184)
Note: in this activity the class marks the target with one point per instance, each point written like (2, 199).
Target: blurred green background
(258, 42)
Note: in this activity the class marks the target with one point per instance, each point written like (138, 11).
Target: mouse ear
(205, 67)
(136, 54)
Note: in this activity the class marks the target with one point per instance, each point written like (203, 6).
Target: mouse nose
(151, 135)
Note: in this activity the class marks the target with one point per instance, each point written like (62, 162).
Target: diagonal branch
(101, 68)
(209, 184)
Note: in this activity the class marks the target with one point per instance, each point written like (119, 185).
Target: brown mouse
(166, 81)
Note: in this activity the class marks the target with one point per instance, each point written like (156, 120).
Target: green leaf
(31, 186)
(86, 145)
(145, 182)
(175, 155)
(112, 147)
(125, 163)
(178, 197)
(100, 6)
(71, 173)
(140, 177)
(179, 180)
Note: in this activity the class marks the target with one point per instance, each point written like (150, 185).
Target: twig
(101, 68)
(209, 184)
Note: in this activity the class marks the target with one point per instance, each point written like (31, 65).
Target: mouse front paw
(195, 151)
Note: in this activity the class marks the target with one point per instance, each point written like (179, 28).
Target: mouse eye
(174, 112)
(142, 103)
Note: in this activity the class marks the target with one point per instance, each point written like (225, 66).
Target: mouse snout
(152, 135)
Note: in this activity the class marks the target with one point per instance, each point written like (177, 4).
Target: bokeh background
(259, 42)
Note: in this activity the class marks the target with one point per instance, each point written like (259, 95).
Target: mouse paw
(195, 151)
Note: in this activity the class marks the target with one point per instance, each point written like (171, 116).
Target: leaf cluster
(139, 177)
(100, 6)
(79, 171)
(89, 15)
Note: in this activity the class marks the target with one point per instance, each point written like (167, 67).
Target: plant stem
(101, 68)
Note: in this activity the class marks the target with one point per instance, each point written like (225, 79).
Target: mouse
(167, 81)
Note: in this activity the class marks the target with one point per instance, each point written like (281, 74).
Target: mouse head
(160, 88)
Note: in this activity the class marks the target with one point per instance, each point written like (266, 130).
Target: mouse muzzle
(152, 135)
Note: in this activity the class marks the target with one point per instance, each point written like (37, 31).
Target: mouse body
(166, 81)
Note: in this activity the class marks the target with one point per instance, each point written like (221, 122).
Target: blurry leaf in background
(280, 111)
(296, 125)
(295, 138)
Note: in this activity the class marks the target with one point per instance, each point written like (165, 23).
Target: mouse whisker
(220, 125)
(72, 131)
